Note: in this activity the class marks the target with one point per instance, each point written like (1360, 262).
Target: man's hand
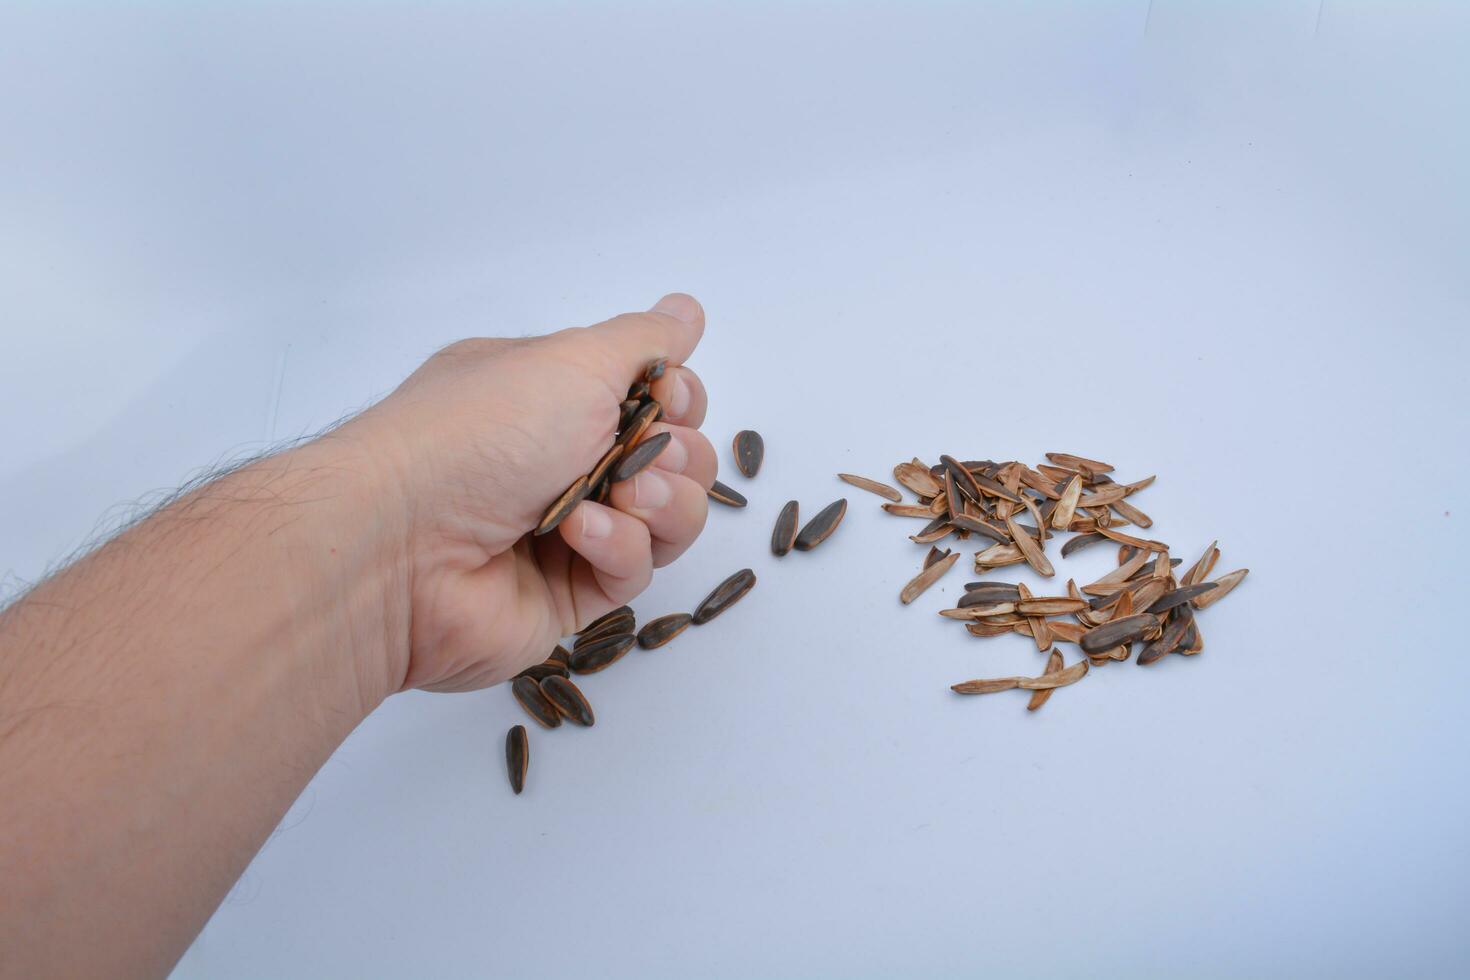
(487, 434)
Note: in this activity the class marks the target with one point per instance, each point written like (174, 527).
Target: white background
(1226, 243)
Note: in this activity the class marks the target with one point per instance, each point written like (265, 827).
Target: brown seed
(528, 693)
(1131, 513)
(633, 432)
(1067, 632)
(988, 629)
(640, 457)
(750, 449)
(562, 506)
(655, 370)
(543, 670)
(626, 411)
(1105, 497)
(964, 480)
(981, 526)
(979, 612)
(657, 632)
(1053, 666)
(1079, 463)
(1179, 619)
(1226, 583)
(601, 654)
(561, 655)
(990, 592)
(1179, 596)
(819, 528)
(725, 495)
(616, 626)
(872, 486)
(1066, 509)
(996, 556)
(1122, 538)
(935, 555)
(1050, 606)
(1030, 550)
(602, 620)
(1201, 569)
(937, 530)
(517, 757)
(909, 510)
(1118, 632)
(916, 477)
(604, 464)
(930, 575)
(1079, 542)
(569, 700)
(783, 535)
(1045, 682)
(725, 595)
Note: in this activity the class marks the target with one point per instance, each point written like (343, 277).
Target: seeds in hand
(640, 457)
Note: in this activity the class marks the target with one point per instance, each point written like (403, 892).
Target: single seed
(1045, 682)
(561, 655)
(602, 620)
(995, 591)
(909, 510)
(626, 411)
(979, 612)
(563, 506)
(1131, 513)
(1050, 606)
(1066, 509)
(1030, 550)
(1079, 542)
(725, 595)
(1079, 463)
(783, 535)
(1179, 596)
(1201, 569)
(1226, 583)
(604, 464)
(640, 391)
(872, 486)
(750, 449)
(537, 705)
(981, 526)
(655, 633)
(569, 700)
(612, 627)
(915, 476)
(639, 423)
(725, 495)
(655, 370)
(1118, 632)
(640, 457)
(601, 654)
(927, 577)
(517, 757)
(819, 528)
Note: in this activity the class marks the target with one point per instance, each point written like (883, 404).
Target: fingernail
(650, 490)
(596, 522)
(674, 457)
(679, 396)
(678, 306)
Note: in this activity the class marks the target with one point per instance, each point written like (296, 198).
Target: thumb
(672, 329)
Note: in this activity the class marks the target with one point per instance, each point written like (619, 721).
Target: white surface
(1223, 243)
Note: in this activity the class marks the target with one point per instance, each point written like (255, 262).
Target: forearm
(165, 700)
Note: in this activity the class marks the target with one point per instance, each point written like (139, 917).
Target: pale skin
(165, 699)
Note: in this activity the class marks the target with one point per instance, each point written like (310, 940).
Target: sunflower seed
(640, 457)
(725, 495)
(1030, 550)
(1080, 542)
(750, 449)
(569, 700)
(640, 391)
(1131, 513)
(725, 595)
(633, 432)
(604, 464)
(601, 654)
(1226, 583)
(1046, 682)
(543, 670)
(872, 486)
(916, 477)
(626, 411)
(517, 757)
(1201, 569)
(1179, 619)
(935, 555)
(616, 626)
(602, 620)
(1079, 463)
(981, 526)
(1118, 632)
(528, 693)
(1053, 666)
(783, 535)
(655, 370)
(1066, 509)
(1176, 597)
(930, 575)
(657, 632)
(819, 528)
(1050, 606)
(994, 591)
(562, 506)
(976, 612)
(909, 510)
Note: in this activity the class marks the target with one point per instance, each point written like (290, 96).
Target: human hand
(484, 436)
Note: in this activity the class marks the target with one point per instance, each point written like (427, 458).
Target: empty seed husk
(517, 757)
(963, 478)
(1030, 549)
(725, 595)
(537, 705)
(1226, 583)
(1053, 666)
(601, 654)
(1079, 463)
(915, 476)
(819, 528)
(657, 632)
(750, 449)
(563, 506)
(1079, 542)
(926, 578)
(992, 591)
(725, 495)
(569, 700)
(783, 535)
(1118, 632)
(872, 486)
(1179, 619)
(1179, 596)
(981, 526)
(936, 555)
(640, 457)
(1050, 606)
(1046, 682)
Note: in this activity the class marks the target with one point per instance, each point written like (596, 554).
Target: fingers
(617, 549)
(688, 452)
(682, 395)
(673, 506)
(671, 329)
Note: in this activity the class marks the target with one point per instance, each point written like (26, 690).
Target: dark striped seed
(1117, 633)
(561, 655)
(563, 506)
(819, 528)
(640, 457)
(725, 595)
(783, 536)
(612, 627)
(724, 495)
(750, 449)
(602, 620)
(517, 757)
(537, 705)
(548, 668)
(639, 423)
(569, 700)
(640, 390)
(626, 411)
(601, 654)
(1178, 597)
(656, 633)
(1081, 541)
